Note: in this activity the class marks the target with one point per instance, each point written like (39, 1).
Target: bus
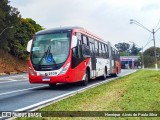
(70, 54)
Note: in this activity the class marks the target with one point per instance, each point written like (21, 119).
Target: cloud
(106, 18)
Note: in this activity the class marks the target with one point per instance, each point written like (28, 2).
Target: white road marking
(31, 107)
(12, 81)
(22, 90)
(15, 78)
(62, 96)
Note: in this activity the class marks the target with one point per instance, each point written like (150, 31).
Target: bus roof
(47, 31)
(59, 29)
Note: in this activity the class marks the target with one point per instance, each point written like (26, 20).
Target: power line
(149, 40)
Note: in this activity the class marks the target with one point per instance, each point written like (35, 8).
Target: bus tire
(116, 74)
(52, 85)
(85, 81)
(105, 74)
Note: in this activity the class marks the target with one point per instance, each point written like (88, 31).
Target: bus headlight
(64, 70)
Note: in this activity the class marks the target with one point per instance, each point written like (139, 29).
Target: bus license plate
(45, 79)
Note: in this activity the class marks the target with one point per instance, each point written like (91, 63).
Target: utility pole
(153, 33)
(155, 52)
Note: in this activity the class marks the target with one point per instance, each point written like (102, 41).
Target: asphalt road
(17, 94)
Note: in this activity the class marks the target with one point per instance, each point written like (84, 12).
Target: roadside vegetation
(126, 49)
(149, 60)
(15, 32)
(136, 92)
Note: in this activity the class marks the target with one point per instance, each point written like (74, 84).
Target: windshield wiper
(46, 55)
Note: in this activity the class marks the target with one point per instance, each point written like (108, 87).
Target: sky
(109, 19)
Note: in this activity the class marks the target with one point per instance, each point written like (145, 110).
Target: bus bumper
(50, 79)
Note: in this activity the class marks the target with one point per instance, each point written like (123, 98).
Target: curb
(3, 74)
(12, 73)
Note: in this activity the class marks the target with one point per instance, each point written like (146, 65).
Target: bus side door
(93, 60)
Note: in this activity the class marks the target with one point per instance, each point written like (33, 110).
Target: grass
(136, 92)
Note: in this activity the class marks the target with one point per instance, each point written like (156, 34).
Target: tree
(23, 33)
(124, 53)
(134, 50)
(149, 56)
(15, 40)
(36, 26)
(122, 46)
(125, 49)
(9, 16)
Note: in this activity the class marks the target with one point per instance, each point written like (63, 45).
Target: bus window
(117, 56)
(79, 36)
(96, 48)
(91, 41)
(100, 49)
(85, 40)
(107, 53)
(113, 53)
(103, 51)
(80, 49)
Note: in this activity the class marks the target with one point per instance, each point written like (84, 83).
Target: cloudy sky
(108, 19)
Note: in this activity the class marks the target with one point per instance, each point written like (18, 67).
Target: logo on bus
(49, 58)
(46, 74)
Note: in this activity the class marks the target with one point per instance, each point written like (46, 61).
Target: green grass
(136, 92)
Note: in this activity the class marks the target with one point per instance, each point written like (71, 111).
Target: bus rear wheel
(104, 74)
(85, 81)
(115, 74)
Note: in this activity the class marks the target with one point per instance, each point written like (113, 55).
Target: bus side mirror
(29, 46)
(74, 41)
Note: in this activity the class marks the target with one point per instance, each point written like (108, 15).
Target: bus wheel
(105, 74)
(85, 81)
(52, 85)
(115, 74)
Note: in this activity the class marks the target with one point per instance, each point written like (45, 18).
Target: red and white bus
(70, 54)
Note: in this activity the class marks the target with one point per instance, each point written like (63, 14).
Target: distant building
(129, 62)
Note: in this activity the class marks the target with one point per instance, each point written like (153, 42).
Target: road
(17, 94)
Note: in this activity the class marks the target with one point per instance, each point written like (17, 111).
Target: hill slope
(9, 63)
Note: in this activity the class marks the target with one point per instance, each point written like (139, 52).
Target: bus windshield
(50, 49)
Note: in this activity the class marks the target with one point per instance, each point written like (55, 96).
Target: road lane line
(22, 90)
(50, 101)
(62, 96)
(12, 81)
